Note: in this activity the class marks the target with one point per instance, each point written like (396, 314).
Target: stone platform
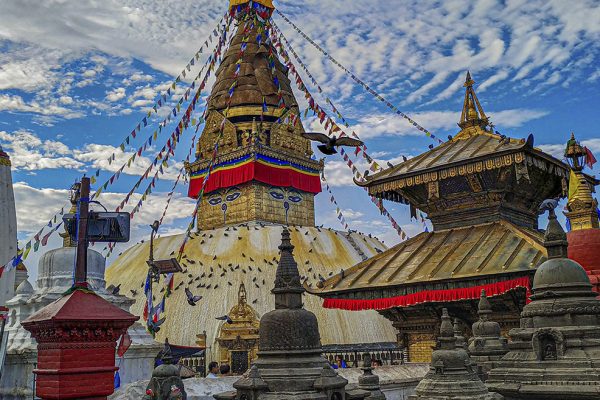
(397, 383)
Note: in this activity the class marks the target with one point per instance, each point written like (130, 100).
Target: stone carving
(552, 354)
(166, 383)
(451, 376)
(487, 344)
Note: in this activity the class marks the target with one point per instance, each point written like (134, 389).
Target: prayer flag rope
(360, 81)
(338, 211)
(331, 127)
(162, 100)
(174, 112)
(34, 243)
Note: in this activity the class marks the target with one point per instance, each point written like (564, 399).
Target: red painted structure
(584, 247)
(76, 338)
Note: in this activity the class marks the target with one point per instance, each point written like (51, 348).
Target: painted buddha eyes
(294, 197)
(277, 195)
(232, 196)
(215, 201)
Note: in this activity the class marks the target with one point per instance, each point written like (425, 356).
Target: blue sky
(77, 76)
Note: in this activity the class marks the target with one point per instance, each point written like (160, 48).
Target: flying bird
(225, 318)
(116, 289)
(155, 326)
(549, 205)
(133, 292)
(191, 299)
(330, 143)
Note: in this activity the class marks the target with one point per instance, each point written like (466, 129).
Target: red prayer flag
(590, 160)
(124, 344)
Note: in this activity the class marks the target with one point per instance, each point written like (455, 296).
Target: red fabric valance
(271, 175)
(430, 296)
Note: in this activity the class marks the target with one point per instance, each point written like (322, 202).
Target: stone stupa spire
(8, 228)
(451, 376)
(290, 364)
(554, 340)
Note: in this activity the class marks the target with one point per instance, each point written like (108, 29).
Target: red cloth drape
(285, 177)
(430, 296)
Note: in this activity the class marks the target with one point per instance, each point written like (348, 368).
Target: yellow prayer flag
(573, 185)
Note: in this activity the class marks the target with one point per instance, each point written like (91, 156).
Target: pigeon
(404, 158)
(255, 301)
(330, 143)
(190, 275)
(256, 285)
(116, 289)
(450, 137)
(215, 257)
(330, 273)
(310, 250)
(251, 259)
(230, 284)
(530, 140)
(548, 205)
(390, 165)
(430, 147)
(243, 255)
(259, 270)
(216, 286)
(155, 326)
(225, 318)
(133, 292)
(321, 278)
(365, 175)
(191, 299)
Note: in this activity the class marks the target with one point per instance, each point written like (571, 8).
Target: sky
(77, 76)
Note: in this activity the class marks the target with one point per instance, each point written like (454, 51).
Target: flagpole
(82, 226)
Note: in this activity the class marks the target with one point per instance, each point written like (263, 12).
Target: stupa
(264, 177)
(554, 354)
(487, 344)
(8, 228)
(583, 214)
(452, 376)
(290, 364)
(55, 277)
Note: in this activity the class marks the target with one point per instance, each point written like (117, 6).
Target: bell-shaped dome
(24, 288)
(559, 273)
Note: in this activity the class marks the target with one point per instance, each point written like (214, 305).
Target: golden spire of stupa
(582, 206)
(472, 113)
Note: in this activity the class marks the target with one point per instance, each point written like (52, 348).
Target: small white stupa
(8, 227)
(55, 277)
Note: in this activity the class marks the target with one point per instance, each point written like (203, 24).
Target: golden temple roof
(452, 254)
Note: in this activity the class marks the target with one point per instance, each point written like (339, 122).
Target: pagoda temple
(262, 176)
(482, 191)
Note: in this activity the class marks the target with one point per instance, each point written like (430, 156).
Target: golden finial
(472, 112)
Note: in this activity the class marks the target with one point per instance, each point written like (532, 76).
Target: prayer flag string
(360, 81)
(331, 127)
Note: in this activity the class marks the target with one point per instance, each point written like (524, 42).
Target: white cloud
(115, 94)
(28, 152)
(16, 103)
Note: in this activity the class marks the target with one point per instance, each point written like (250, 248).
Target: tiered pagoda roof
(482, 191)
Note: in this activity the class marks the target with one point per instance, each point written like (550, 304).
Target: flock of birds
(198, 276)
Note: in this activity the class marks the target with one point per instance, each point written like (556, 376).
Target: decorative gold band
(5, 161)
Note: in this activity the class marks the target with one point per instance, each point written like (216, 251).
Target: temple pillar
(77, 336)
